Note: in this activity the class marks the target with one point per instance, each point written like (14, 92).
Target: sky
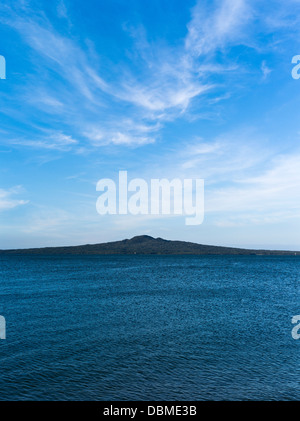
(160, 89)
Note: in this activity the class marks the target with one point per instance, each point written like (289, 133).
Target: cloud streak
(168, 81)
(7, 200)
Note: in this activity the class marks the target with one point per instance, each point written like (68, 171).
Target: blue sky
(160, 88)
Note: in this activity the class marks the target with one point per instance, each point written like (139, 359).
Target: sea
(149, 327)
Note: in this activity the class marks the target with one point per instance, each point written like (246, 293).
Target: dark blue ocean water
(149, 328)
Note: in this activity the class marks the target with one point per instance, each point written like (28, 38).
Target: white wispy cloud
(7, 200)
(246, 182)
(265, 70)
(55, 141)
(62, 11)
(124, 132)
(228, 157)
(159, 81)
(272, 195)
(48, 221)
(214, 25)
(167, 82)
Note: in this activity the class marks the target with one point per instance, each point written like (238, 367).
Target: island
(145, 244)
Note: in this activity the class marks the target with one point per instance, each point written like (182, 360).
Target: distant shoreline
(146, 245)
